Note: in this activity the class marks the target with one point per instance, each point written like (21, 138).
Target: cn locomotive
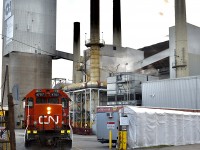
(46, 118)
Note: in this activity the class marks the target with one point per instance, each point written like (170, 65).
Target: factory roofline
(151, 50)
(154, 49)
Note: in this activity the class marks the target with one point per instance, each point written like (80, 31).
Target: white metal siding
(198, 92)
(173, 93)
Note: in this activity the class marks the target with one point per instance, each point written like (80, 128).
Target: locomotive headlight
(29, 131)
(48, 110)
(62, 131)
(34, 131)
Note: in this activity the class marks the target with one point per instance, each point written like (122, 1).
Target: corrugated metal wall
(173, 93)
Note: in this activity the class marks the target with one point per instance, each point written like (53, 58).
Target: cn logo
(48, 119)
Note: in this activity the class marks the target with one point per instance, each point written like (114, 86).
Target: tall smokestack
(117, 23)
(76, 52)
(181, 52)
(94, 41)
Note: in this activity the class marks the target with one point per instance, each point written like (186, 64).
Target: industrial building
(125, 88)
(170, 59)
(106, 74)
(28, 47)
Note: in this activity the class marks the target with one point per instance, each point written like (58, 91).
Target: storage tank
(28, 46)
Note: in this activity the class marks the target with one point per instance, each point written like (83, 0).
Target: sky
(143, 23)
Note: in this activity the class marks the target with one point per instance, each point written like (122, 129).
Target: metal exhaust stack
(94, 41)
(90, 87)
(116, 23)
(181, 52)
(76, 52)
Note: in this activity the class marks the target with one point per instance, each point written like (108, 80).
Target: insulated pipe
(76, 52)
(181, 52)
(94, 41)
(117, 23)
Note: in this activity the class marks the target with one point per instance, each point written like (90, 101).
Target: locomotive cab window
(64, 102)
(41, 100)
(30, 102)
(53, 100)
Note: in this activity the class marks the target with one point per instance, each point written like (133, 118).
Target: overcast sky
(144, 22)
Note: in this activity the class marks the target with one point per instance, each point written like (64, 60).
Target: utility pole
(11, 125)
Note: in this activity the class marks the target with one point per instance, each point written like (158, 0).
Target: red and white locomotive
(46, 118)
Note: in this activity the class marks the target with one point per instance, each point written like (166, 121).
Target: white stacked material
(153, 127)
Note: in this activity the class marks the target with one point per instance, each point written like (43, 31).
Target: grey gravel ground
(81, 142)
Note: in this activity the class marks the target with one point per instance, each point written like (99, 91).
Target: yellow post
(120, 140)
(110, 139)
(124, 140)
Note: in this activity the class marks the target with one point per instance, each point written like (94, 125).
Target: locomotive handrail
(71, 131)
(28, 119)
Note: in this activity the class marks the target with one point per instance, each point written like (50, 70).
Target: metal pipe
(81, 110)
(85, 110)
(73, 109)
(90, 108)
(98, 98)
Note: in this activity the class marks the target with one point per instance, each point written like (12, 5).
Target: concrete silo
(29, 43)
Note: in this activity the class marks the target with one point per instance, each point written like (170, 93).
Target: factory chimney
(93, 43)
(116, 23)
(76, 52)
(181, 52)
